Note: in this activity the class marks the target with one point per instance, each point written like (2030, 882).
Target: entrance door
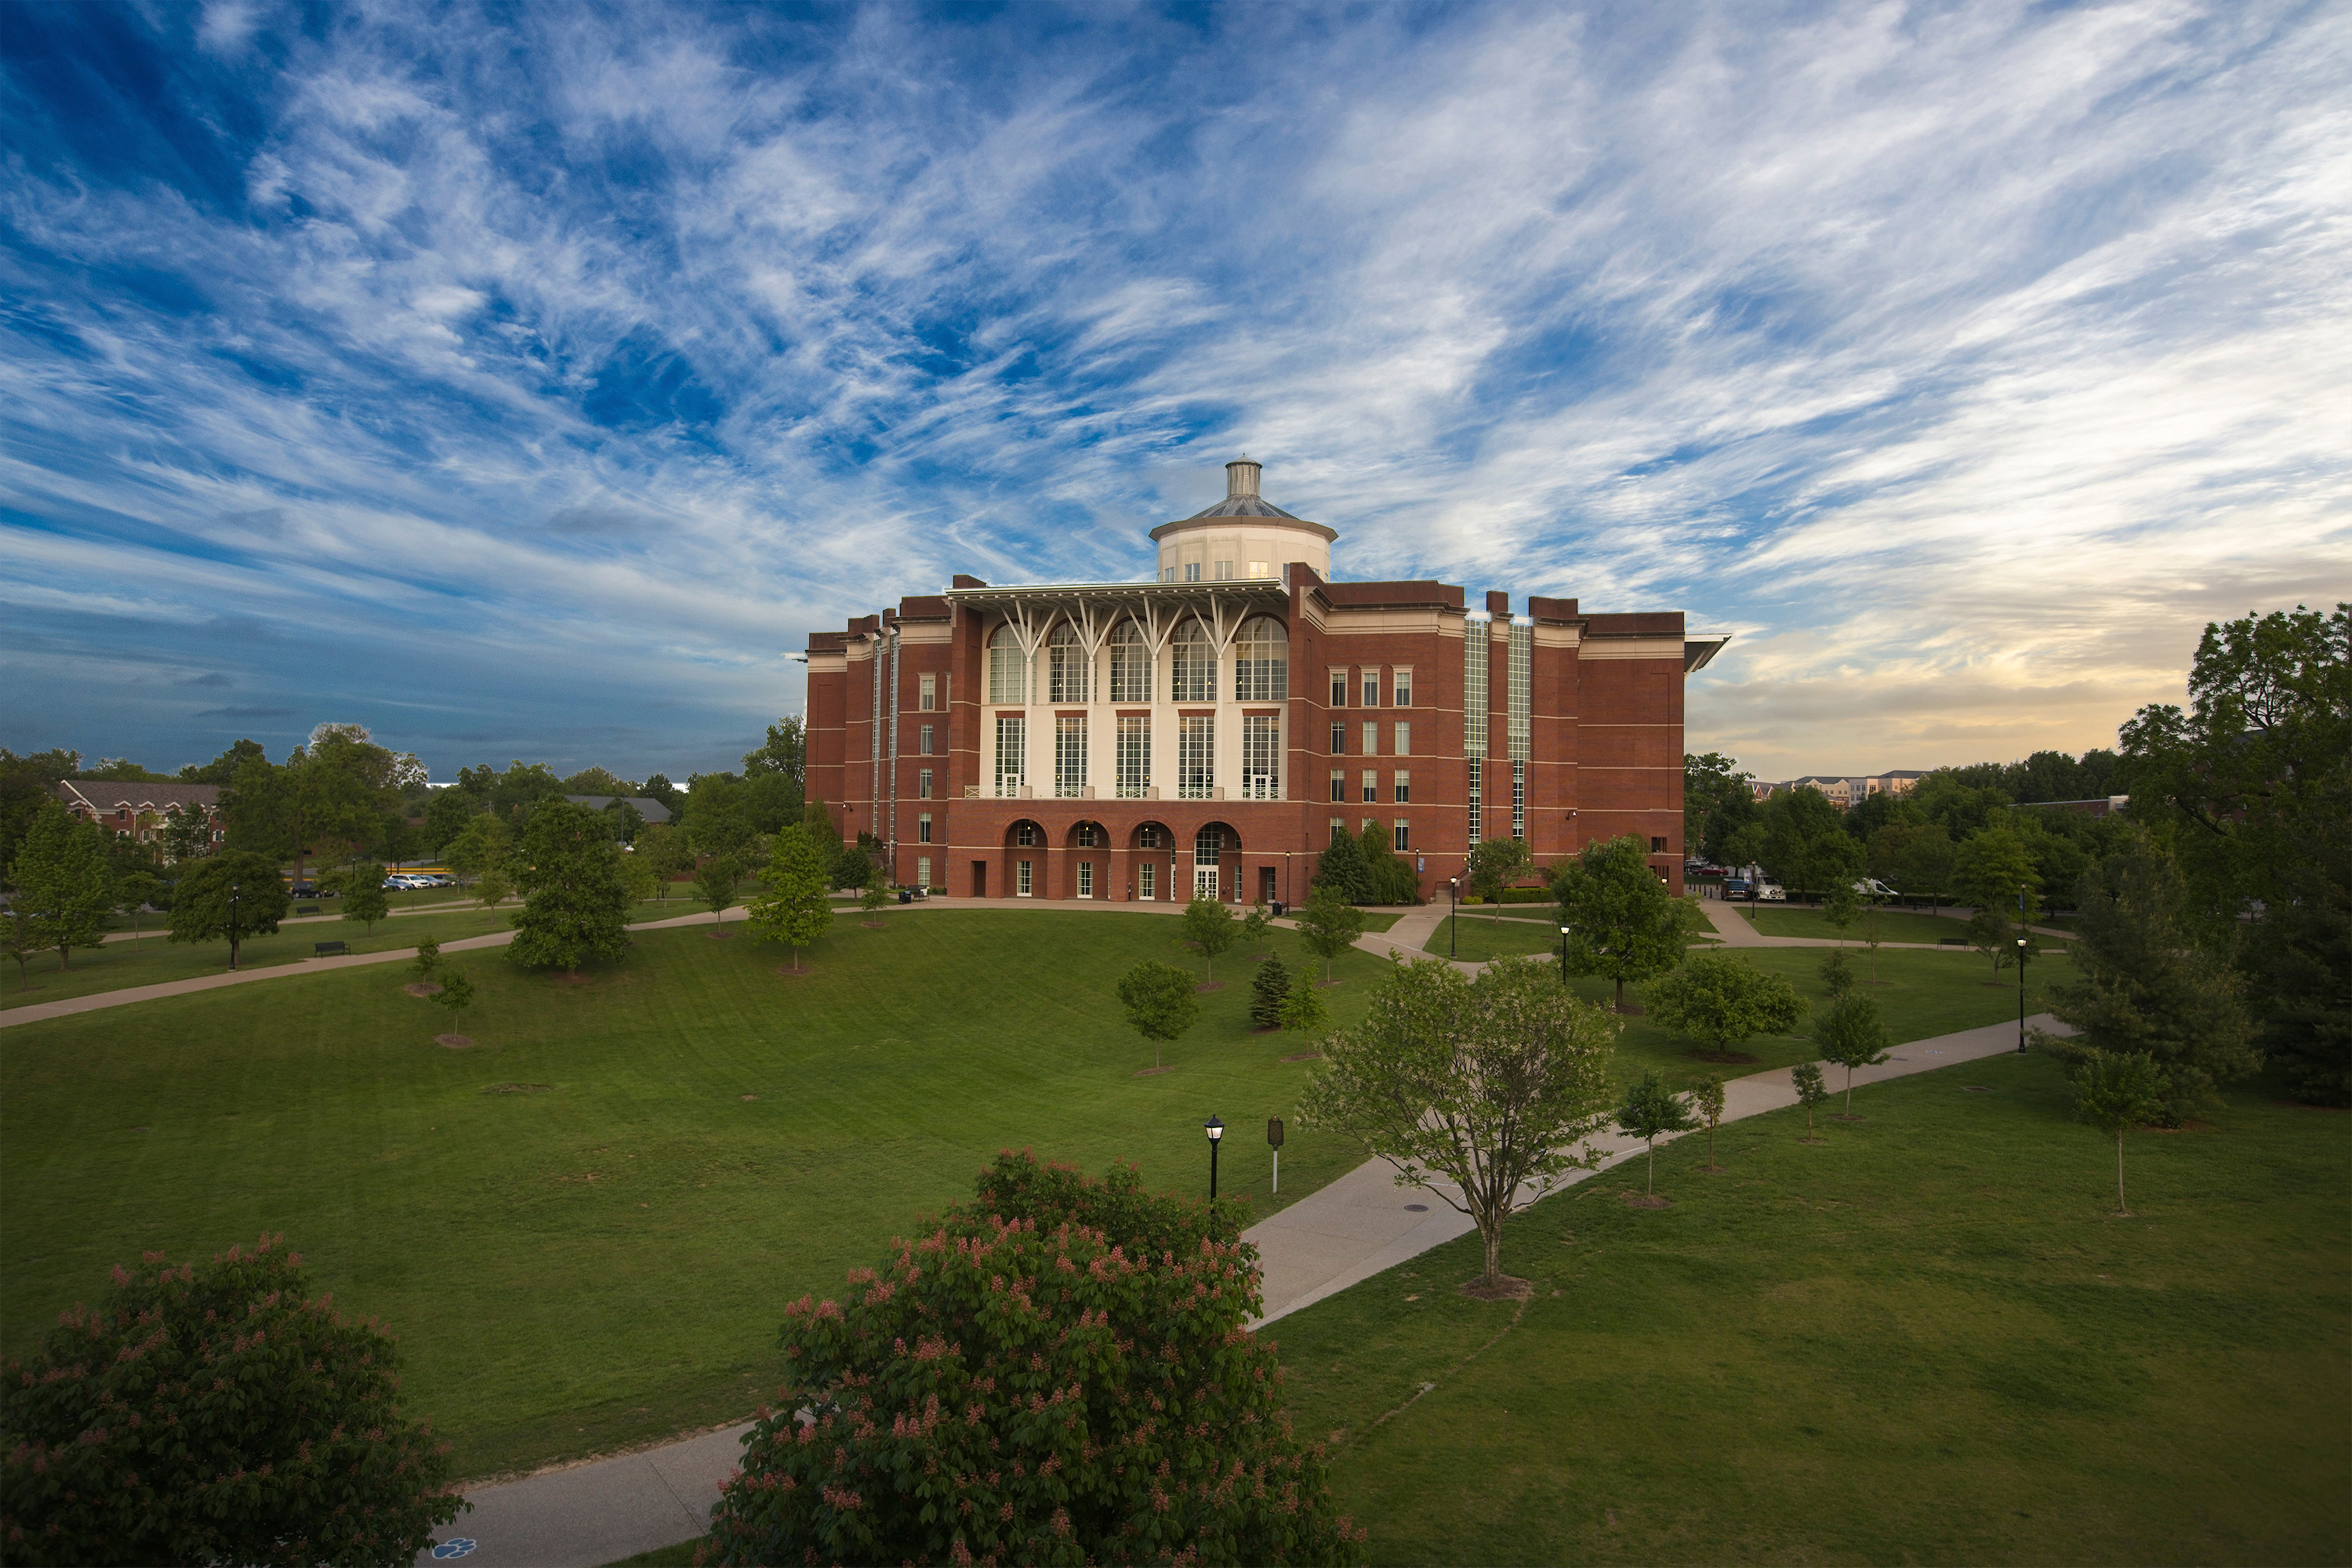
(1204, 881)
(979, 878)
(1265, 886)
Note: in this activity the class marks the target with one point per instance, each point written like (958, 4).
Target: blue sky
(525, 381)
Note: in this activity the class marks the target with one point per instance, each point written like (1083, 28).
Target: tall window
(1260, 756)
(1130, 665)
(922, 870)
(1477, 635)
(923, 828)
(928, 731)
(1403, 788)
(1196, 746)
(1262, 662)
(1134, 755)
(923, 783)
(1403, 739)
(1147, 882)
(1339, 784)
(1208, 848)
(1020, 878)
(1065, 665)
(930, 700)
(1339, 740)
(1191, 571)
(1195, 674)
(1401, 835)
(1339, 688)
(1007, 668)
(1338, 827)
(1372, 740)
(1371, 786)
(1224, 570)
(1516, 695)
(1012, 754)
(1400, 687)
(1086, 879)
(1069, 756)
(1371, 688)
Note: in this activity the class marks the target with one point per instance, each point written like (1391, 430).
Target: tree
(785, 751)
(1812, 1092)
(1806, 845)
(1717, 803)
(1387, 877)
(63, 883)
(1721, 1000)
(638, 874)
(1269, 986)
(877, 891)
(2252, 790)
(457, 994)
(132, 893)
(1706, 1102)
(1489, 1083)
(187, 834)
(17, 940)
(1302, 1012)
(490, 889)
(1994, 869)
(599, 781)
(1209, 926)
(1159, 1003)
(817, 822)
(217, 1413)
(446, 813)
(363, 896)
(1622, 922)
(714, 883)
(853, 867)
(234, 894)
(2146, 987)
(1330, 925)
(1118, 1411)
(481, 849)
(1649, 1112)
(792, 904)
(1917, 858)
(1341, 867)
(1840, 906)
(1852, 1035)
(575, 907)
(428, 959)
(1837, 973)
(2116, 1092)
(717, 820)
(662, 850)
(1254, 925)
(1496, 864)
(1872, 906)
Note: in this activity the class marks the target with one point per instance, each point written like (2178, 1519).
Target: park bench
(1951, 941)
(328, 949)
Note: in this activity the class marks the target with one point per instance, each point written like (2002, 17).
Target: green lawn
(1894, 925)
(1927, 1341)
(583, 1232)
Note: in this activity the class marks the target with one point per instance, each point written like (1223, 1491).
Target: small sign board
(1274, 1131)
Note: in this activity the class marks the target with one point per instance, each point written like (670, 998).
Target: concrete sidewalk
(1358, 1225)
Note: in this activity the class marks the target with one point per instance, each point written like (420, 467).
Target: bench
(1951, 941)
(328, 949)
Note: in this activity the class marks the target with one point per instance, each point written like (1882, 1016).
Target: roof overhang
(1698, 650)
(1268, 590)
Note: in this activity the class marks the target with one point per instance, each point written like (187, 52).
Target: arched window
(1195, 675)
(1262, 662)
(1007, 668)
(1130, 665)
(1065, 665)
(1208, 844)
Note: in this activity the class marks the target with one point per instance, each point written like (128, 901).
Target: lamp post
(232, 925)
(1563, 955)
(1215, 1130)
(2020, 995)
(1453, 912)
(1273, 1141)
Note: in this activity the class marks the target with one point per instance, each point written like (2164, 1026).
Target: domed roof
(1242, 499)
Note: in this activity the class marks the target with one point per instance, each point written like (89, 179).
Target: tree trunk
(1653, 1168)
(1493, 1236)
(1620, 994)
(1849, 1090)
(2121, 1207)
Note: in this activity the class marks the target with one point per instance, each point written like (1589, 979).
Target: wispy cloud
(489, 375)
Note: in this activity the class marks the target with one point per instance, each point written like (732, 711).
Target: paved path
(588, 1515)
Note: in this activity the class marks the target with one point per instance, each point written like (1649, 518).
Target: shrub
(215, 1413)
(1058, 1371)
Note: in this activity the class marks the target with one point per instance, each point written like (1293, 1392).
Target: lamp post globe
(1216, 1131)
(232, 925)
(1563, 955)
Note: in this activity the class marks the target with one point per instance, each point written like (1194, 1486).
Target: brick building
(1213, 726)
(139, 810)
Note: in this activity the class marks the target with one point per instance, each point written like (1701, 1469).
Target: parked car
(303, 890)
(1771, 892)
(1735, 887)
(1871, 887)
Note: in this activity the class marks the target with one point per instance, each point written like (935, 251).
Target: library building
(1209, 729)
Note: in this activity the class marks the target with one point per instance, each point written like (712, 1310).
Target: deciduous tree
(1209, 926)
(715, 881)
(792, 905)
(575, 906)
(132, 893)
(1721, 1000)
(1491, 1084)
(457, 994)
(2116, 1092)
(1649, 1112)
(1303, 1011)
(363, 893)
(1806, 845)
(217, 1413)
(1330, 925)
(1852, 1035)
(64, 881)
(1160, 1002)
(1812, 1092)
(1496, 864)
(234, 895)
(1624, 921)
(1706, 1102)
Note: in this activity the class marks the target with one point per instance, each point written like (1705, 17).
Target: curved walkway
(587, 1515)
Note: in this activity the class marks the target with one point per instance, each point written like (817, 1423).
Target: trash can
(1277, 908)
(905, 897)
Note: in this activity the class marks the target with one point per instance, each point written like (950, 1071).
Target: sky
(530, 381)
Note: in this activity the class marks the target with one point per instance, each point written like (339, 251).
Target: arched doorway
(1152, 871)
(1216, 862)
(1086, 862)
(1024, 861)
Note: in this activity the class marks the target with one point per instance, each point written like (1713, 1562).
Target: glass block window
(1260, 756)
(1403, 747)
(1134, 756)
(1518, 797)
(1012, 754)
(1021, 884)
(1262, 662)
(1196, 750)
(1401, 686)
(1065, 665)
(1475, 791)
(1403, 788)
(1069, 756)
(923, 831)
(928, 687)
(1086, 879)
(1194, 677)
(1007, 668)
(1130, 665)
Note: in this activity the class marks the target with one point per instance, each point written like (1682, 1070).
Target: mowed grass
(584, 1231)
(1928, 1339)
(1474, 939)
(154, 959)
(1894, 925)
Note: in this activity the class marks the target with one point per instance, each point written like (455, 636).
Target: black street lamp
(1563, 955)
(2020, 995)
(1273, 1141)
(1216, 1131)
(232, 925)
(1453, 912)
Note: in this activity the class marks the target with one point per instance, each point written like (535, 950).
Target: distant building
(1848, 791)
(2097, 805)
(139, 810)
(650, 809)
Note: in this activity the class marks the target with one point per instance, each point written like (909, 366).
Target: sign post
(1273, 1141)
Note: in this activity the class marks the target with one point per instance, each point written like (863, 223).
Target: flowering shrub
(1058, 1373)
(215, 1413)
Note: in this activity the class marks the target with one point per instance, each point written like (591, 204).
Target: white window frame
(1401, 686)
(1069, 756)
(1086, 879)
(927, 686)
(923, 828)
(1196, 756)
(1401, 836)
(922, 783)
(1023, 880)
(1008, 668)
(922, 870)
(1193, 665)
(1133, 757)
(1130, 664)
(1147, 882)
(1402, 789)
(1402, 745)
(1371, 688)
(1012, 755)
(1371, 782)
(1262, 661)
(1260, 756)
(1068, 668)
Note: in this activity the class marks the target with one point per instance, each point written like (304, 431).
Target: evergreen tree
(575, 902)
(792, 906)
(1269, 986)
(63, 881)
(1342, 869)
